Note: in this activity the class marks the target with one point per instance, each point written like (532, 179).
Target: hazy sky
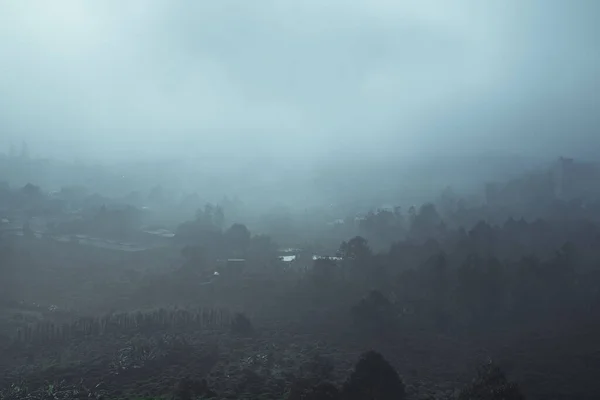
(382, 77)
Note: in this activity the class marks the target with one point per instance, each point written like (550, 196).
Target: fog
(236, 198)
(289, 86)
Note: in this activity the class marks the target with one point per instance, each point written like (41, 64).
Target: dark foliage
(374, 312)
(241, 325)
(491, 384)
(356, 249)
(313, 380)
(324, 272)
(517, 276)
(238, 239)
(373, 378)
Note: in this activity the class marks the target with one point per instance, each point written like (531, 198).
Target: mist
(285, 88)
(299, 199)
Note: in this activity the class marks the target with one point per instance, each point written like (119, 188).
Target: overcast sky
(383, 77)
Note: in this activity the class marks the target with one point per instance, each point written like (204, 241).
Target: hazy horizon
(304, 81)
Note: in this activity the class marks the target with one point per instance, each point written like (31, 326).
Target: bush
(374, 311)
(491, 384)
(312, 381)
(241, 325)
(373, 378)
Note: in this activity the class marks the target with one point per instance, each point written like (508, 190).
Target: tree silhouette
(356, 249)
(373, 378)
(324, 271)
(238, 239)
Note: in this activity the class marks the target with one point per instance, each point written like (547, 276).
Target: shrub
(312, 381)
(373, 378)
(491, 384)
(241, 325)
(374, 311)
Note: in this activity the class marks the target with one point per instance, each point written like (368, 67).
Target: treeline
(487, 278)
